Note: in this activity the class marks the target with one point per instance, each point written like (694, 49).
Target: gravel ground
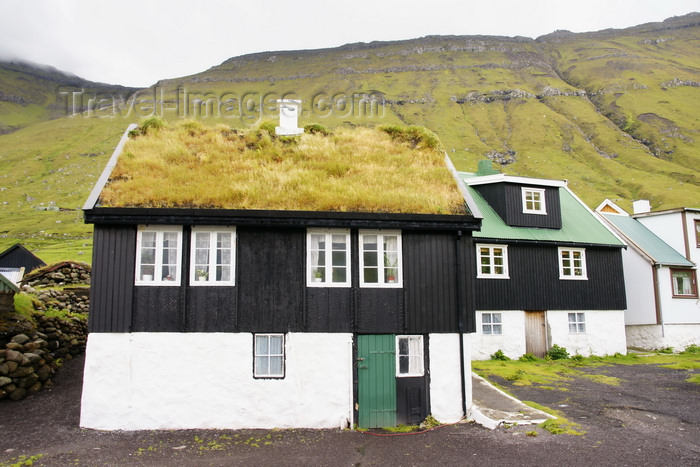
(652, 418)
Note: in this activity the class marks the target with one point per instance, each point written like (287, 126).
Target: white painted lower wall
(605, 333)
(655, 336)
(446, 377)
(144, 381)
(511, 342)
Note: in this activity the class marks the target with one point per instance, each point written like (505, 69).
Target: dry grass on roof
(358, 170)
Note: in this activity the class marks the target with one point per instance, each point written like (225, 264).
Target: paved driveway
(652, 418)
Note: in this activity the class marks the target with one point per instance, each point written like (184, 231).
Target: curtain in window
(318, 258)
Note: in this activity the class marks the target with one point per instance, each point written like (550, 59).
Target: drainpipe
(460, 321)
(659, 308)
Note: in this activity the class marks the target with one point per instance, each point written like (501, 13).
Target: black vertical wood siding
(211, 309)
(271, 293)
(431, 281)
(507, 200)
(112, 281)
(271, 267)
(534, 282)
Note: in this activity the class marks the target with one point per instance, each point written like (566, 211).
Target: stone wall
(29, 361)
(58, 275)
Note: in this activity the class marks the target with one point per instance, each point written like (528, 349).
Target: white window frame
(415, 360)
(491, 256)
(526, 193)
(577, 323)
(196, 278)
(381, 265)
(268, 355)
(139, 279)
(326, 279)
(491, 323)
(693, 283)
(563, 269)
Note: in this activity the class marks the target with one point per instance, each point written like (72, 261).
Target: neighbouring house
(548, 270)
(338, 290)
(663, 309)
(8, 289)
(17, 256)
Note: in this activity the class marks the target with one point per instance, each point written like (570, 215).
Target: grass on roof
(397, 170)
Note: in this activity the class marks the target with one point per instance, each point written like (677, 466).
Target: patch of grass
(557, 426)
(499, 355)
(402, 428)
(22, 461)
(24, 304)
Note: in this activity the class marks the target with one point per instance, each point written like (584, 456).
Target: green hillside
(614, 112)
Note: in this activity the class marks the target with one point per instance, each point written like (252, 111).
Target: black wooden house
(211, 317)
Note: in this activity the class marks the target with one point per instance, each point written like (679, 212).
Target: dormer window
(533, 201)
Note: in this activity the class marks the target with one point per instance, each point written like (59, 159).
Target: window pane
(497, 329)
(261, 345)
(223, 273)
(340, 275)
(496, 317)
(370, 258)
(148, 273)
(275, 366)
(262, 366)
(148, 239)
(486, 328)
(275, 345)
(582, 327)
(148, 255)
(201, 256)
(223, 240)
(339, 242)
(369, 242)
(202, 240)
(371, 275)
(486, 318)
(169, 273)
(339, 258)
(403, 346)
(403, 364)
(572, 327)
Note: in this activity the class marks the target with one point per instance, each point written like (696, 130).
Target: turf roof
(392, 170)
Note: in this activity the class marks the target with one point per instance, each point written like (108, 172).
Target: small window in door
(409, 356)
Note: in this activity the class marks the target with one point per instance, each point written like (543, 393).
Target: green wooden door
(376, 378)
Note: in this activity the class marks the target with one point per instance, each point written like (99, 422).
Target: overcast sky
(137, 42)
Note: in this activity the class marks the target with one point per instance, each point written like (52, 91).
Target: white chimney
(289, 117)
(641, 206)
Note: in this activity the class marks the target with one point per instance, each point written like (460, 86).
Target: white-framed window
(213, 256)
(492, 261)
(577, 323)
(409, 356)
(684, 284)
(491, 323)
(380, 258)
(158, 253)
(268, 356)
(533, 201)
(572, 263)
(328, 258)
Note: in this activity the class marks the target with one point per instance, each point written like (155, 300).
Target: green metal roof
(647, 241)
(579, 224)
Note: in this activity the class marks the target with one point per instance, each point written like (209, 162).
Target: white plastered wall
(446, 376)
(511, 341)
(143, 381)
(654, 337)
(605, 332)
(639, 285)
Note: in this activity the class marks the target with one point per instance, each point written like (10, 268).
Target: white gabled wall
(639, 288)
(446, 376)
(143, 381)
